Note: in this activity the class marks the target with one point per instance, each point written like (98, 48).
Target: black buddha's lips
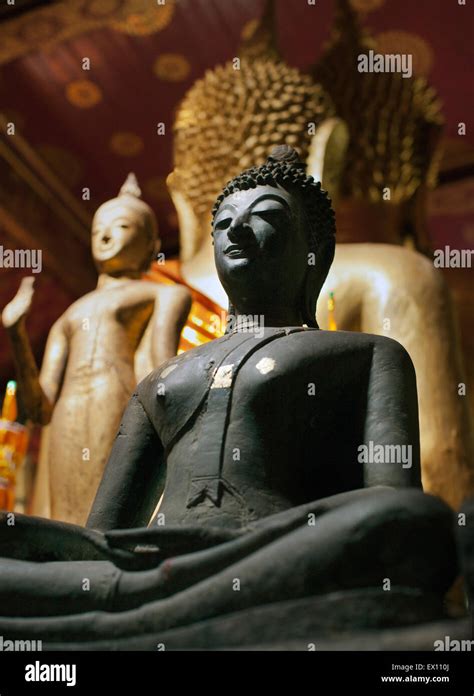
(241, 251)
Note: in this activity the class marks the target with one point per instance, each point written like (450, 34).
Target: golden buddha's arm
(54, 364)
(37, 395)
(172, 307)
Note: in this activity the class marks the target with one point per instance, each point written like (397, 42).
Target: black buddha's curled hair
(284, 167)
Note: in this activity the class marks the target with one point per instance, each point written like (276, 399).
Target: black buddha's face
(260, 246)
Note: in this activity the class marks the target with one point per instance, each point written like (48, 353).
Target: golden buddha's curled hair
(230, 119)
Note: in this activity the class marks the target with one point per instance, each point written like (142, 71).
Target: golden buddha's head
(124, 232)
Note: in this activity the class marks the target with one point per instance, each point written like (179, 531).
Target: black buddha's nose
(240, 231)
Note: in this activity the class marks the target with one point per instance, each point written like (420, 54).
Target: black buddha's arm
(392, 418)
(130, 487)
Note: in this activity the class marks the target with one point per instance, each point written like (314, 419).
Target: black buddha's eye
(272, 215)
(223, 224)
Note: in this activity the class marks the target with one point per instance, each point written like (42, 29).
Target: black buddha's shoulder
(350, 338)
(183, 362)
(346, 343)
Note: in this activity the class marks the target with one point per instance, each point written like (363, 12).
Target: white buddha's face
(122, 238)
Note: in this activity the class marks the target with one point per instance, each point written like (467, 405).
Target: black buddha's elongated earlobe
(319, 263)
(230, 317)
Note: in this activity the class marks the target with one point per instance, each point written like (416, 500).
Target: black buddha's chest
(284, 414)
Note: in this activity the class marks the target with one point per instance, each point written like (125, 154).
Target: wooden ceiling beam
(29, 166)
(39, 212)
(56, 257)
(8, 11)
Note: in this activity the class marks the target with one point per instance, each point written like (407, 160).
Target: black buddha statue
(287, 457)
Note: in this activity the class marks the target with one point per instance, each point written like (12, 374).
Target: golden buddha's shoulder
(163, 292)
(79, 312)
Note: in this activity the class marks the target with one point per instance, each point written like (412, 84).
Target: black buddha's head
(274, 238)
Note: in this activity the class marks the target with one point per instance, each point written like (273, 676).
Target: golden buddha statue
(382, 289)
(96, 352)
(391, 163)
(394, 139)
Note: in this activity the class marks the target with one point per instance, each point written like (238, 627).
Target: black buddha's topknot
(284, 167)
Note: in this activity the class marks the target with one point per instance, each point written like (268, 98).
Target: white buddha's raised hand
(18, 308)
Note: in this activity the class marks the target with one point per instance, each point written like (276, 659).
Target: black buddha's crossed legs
(401, 536)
